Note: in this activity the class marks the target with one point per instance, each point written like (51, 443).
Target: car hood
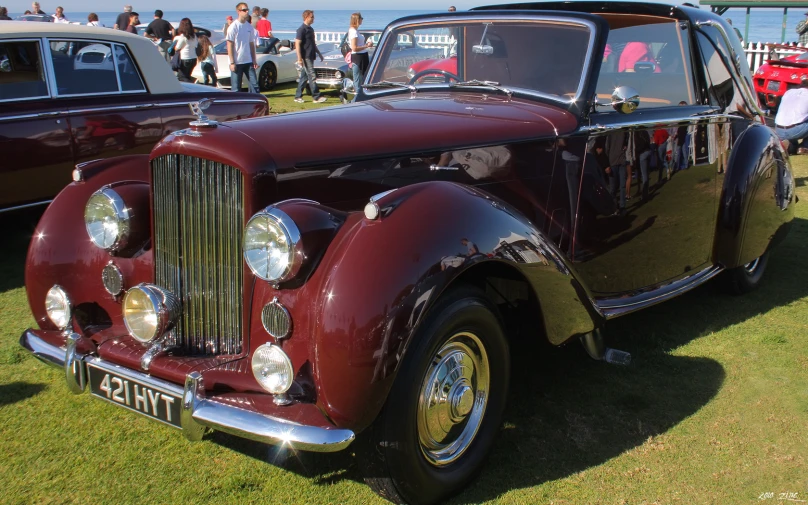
(380, 127)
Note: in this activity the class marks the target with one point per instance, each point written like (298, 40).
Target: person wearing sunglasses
(241, 47)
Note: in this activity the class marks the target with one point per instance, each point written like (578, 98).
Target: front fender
(61, 252)
(756, 205)
(380, 277)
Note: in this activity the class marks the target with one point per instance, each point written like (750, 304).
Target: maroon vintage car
(71, 94)
(355, 276)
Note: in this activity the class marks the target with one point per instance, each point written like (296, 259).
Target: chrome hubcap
(453, 398)
(752, 266)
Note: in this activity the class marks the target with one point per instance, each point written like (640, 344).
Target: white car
(276, 64)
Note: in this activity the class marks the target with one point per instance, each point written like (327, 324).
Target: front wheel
(445, 407)
(268, 77)
(746, 278)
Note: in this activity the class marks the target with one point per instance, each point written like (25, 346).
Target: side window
(21, 73)
(721, 89)
(130, 78)
(83, 67)
(653, 57)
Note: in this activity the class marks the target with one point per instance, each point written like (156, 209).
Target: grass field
(713, 410)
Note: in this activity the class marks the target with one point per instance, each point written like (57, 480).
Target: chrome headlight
(338, 74)
(107, 219)
(149, 311)
(57, 306)
(272, 247)
(410, 73)
(272, 369)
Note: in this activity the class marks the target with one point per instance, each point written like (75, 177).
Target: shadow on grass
(18, 391)
(17, 226)
(568, 413)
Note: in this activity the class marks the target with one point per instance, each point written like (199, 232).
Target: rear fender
(757, 199)
(381, 276)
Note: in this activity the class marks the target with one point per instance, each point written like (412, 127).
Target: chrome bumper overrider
(198, 412)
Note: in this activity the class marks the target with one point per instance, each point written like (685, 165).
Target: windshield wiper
(389, 84)
(485, 84)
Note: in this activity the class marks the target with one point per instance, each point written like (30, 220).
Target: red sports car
(775, 77)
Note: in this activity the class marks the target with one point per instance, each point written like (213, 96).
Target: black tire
(391, 453)
(268, 77)
(745, 278)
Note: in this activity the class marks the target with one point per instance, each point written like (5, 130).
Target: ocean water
(282, 20)
(765, 25)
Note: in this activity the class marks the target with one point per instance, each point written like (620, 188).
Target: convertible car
(369, 290)
(276, 64)
(72, 94)
(778, 75)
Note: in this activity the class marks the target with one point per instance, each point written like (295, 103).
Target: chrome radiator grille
(198, 225)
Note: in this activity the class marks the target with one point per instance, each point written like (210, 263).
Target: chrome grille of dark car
(198, 223)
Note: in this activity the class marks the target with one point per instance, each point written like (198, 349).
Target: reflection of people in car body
(480, 163)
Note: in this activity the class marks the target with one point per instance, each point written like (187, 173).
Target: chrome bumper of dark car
(197, 411)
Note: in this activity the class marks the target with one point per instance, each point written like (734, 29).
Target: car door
(35, 138)
(111, 112)
(659, 163)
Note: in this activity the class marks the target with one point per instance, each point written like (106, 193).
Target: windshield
(541, 55)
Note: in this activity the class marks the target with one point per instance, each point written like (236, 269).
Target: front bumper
(197, 411)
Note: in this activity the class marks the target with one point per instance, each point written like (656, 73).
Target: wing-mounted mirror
(625, 99)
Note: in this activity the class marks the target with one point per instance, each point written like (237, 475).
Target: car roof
(594, 7)
(14, 29)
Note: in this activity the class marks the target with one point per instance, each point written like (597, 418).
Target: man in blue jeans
(241, 47)
(791, 121)
(306, 47)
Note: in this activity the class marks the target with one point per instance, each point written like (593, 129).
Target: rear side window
(21, 73)
(90, 68)
(651, 55)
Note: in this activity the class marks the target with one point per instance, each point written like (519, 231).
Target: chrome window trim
(134, 65)
(115, 66)
(734, 68)
(56, 94)
(497, 18)
(46, 70)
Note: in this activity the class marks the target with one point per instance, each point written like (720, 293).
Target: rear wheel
(746, 278)
(445, 407)
(268, 77)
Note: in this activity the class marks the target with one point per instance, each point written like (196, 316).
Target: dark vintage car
(71, 94)
(366, 291)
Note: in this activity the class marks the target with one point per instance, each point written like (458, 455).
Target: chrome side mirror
(625, 99)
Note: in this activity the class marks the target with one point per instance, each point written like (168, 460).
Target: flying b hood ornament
(198, 109)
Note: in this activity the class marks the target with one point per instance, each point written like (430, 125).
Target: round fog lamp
(149, 311)
(272, 369)
(57, 306)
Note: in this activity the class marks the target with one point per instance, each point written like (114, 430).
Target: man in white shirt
(791, 121)
(60, 17)
(241, 47)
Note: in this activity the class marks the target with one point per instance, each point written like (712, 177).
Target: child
(207, 59)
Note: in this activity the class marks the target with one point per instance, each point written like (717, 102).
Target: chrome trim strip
(677, 120)
(26, 206)
(489, 16)
(218, 100)
(198, 411)
(615, 307)
(38, 115)
(749, 97)
(113, 108)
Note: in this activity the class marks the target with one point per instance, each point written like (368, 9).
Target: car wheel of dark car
(746, 278)
(445, 407)
(448, 76)
(268, 77)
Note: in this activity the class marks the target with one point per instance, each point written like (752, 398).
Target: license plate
(132, 394)
(773, 86)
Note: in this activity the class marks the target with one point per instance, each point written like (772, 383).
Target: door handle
(434, 168)
(49, 114)
(144, 105)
